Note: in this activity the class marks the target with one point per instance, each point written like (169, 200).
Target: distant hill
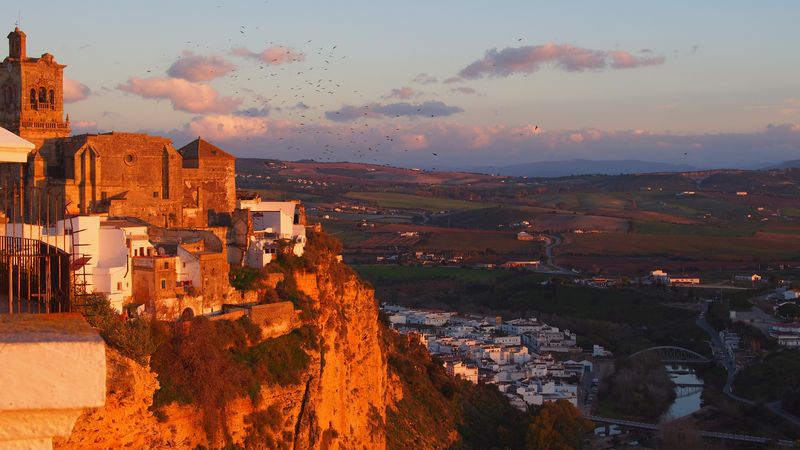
(584, 167)
(792, 164)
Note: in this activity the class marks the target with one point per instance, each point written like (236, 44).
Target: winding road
(551, 241)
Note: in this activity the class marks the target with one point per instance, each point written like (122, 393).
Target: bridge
(687, 390)
(669, 354)
(733, 437)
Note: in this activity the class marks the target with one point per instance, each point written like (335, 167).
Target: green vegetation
(488, 242)
(407, 201)
(639, 387)
(245, 278)
(385, 273)
(584, 200)
(788, 311)
(557, 425)
(210, 363)
(623, 320)
(775, 378)
(261, 426)
(132, 337)
(791, 212)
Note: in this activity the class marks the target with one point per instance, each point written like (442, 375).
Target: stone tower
(31, 93)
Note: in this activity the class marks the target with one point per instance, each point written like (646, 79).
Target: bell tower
(16, 44)
(31, 93)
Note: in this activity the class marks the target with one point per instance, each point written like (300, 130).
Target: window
(52, 99)
(166, 264)
(42, 95)
(155, 194)
(33, 98)
(119, 286)
(103, 195)
(163, 283)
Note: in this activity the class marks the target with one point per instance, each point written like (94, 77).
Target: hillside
(585, 167)
(341, 379)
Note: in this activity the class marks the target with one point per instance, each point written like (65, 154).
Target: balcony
(44, 125)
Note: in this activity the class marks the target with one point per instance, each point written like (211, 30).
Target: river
(688, 400)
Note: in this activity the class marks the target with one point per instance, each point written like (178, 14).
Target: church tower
(31, 93)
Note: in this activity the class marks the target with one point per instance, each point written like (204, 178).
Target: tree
(558, 426)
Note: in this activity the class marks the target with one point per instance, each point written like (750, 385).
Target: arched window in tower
(33, 98)
(52, 99)
(42, 95)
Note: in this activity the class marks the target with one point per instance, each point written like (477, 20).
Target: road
(551, 241)
(723, 357)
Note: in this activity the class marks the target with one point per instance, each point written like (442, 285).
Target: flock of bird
(298, 85)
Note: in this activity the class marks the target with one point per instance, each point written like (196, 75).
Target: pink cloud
(184, 95)
(194, 67)
(620, 59)
(529, 59)
(75, 91)
(271, 55)
(223, 127)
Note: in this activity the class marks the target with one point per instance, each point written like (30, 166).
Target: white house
(272, 222)
(100, 251)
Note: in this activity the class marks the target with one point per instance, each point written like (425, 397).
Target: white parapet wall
(53, 367)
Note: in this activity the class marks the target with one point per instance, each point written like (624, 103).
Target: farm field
(540, 220)
(762, 246)
(393, 274)
(408, 201)
(466, 241)
(732, 230)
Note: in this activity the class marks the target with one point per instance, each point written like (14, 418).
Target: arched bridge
(670, 354)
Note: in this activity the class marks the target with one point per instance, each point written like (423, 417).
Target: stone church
(119, 174)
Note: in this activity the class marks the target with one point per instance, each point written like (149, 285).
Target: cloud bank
(401, 109)
(413, 144)
(530, 59)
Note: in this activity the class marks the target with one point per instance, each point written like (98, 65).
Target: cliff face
(338, 401)
(346, 396)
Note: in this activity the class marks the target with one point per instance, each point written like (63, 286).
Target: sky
(435, 84)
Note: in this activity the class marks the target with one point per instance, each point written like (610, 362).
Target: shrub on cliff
(131, 336)
(209, 363)
(245, 278)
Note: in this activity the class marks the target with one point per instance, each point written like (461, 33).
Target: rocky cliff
(338, 400)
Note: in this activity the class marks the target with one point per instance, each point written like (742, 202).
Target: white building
(101, 251)
(461, 369)
(273, 222)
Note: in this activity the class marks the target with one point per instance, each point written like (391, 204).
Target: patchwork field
(547, 220)
(466, 241)
(416, 202)
(762, 246)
